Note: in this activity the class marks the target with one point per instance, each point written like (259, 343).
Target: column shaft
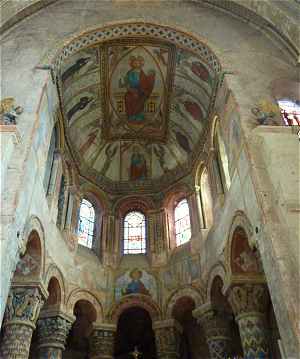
(254, 335)
(16, 341)
(52, 334)
(167, 339)
(248, 302)
(22, 310)
(102, 342)
(216, 327)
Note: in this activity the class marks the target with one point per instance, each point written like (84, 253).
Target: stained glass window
(134, 233)
(290, 112)
(86, 224)
(182, 223)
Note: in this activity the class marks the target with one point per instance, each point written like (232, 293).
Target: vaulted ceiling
(136, 106)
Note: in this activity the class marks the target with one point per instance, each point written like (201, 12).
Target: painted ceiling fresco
(135, 109)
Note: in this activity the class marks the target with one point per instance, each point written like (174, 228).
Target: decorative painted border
(138, 30)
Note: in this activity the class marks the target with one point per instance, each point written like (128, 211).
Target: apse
(136, 104)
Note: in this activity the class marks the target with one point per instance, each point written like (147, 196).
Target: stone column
(52, 334)
(167, 339)
(21, 313)
(216, 326)
(200, 207)
(157, 236)
(249, 302)
(102, 341)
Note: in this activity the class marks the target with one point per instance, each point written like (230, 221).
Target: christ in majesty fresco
(139, 87)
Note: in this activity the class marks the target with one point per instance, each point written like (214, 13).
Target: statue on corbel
(267, 113)
(9, 112)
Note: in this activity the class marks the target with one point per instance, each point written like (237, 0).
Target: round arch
(250, 258)
(84, 295)
(54, 272)
(203, 184)
(98, 196)
(143, 204)
(34, 225)
(192, 293)
(135, 300)
(176, 192)
(200, 168)
(261, 16)
(218, 270)
(239, 220)
(134, 28)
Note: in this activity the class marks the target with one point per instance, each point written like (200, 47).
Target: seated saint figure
(138, 165)
(136, 286)
(139, 87)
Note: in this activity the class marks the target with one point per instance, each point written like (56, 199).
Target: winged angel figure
(9, 112)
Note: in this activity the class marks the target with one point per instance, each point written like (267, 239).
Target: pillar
(216, 327)
(52, 334)
(157, 234)
(21, 313)
(202, 223)
(102, 341)
(167, 338)
(249, 303)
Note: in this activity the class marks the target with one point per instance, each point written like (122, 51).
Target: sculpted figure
(267, 114)
(9, 112)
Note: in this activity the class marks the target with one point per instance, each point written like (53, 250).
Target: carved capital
(23, 306)
(247, 298)
(53, 331)
(216, 326)
(215, 323)
(167, 338)
(102, 341)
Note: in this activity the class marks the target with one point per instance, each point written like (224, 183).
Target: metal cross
(136, 353)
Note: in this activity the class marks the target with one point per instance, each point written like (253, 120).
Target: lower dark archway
(192, 341)
(135, 330)
(77, 344)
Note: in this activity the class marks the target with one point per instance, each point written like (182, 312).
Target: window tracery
(86, 225)
(134, 240)
(182, 223)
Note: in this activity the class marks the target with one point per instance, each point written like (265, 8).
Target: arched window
(221, 163)
(134, 241)
(182, 222)
(290, 112)
(206, 200)
(86, 225)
